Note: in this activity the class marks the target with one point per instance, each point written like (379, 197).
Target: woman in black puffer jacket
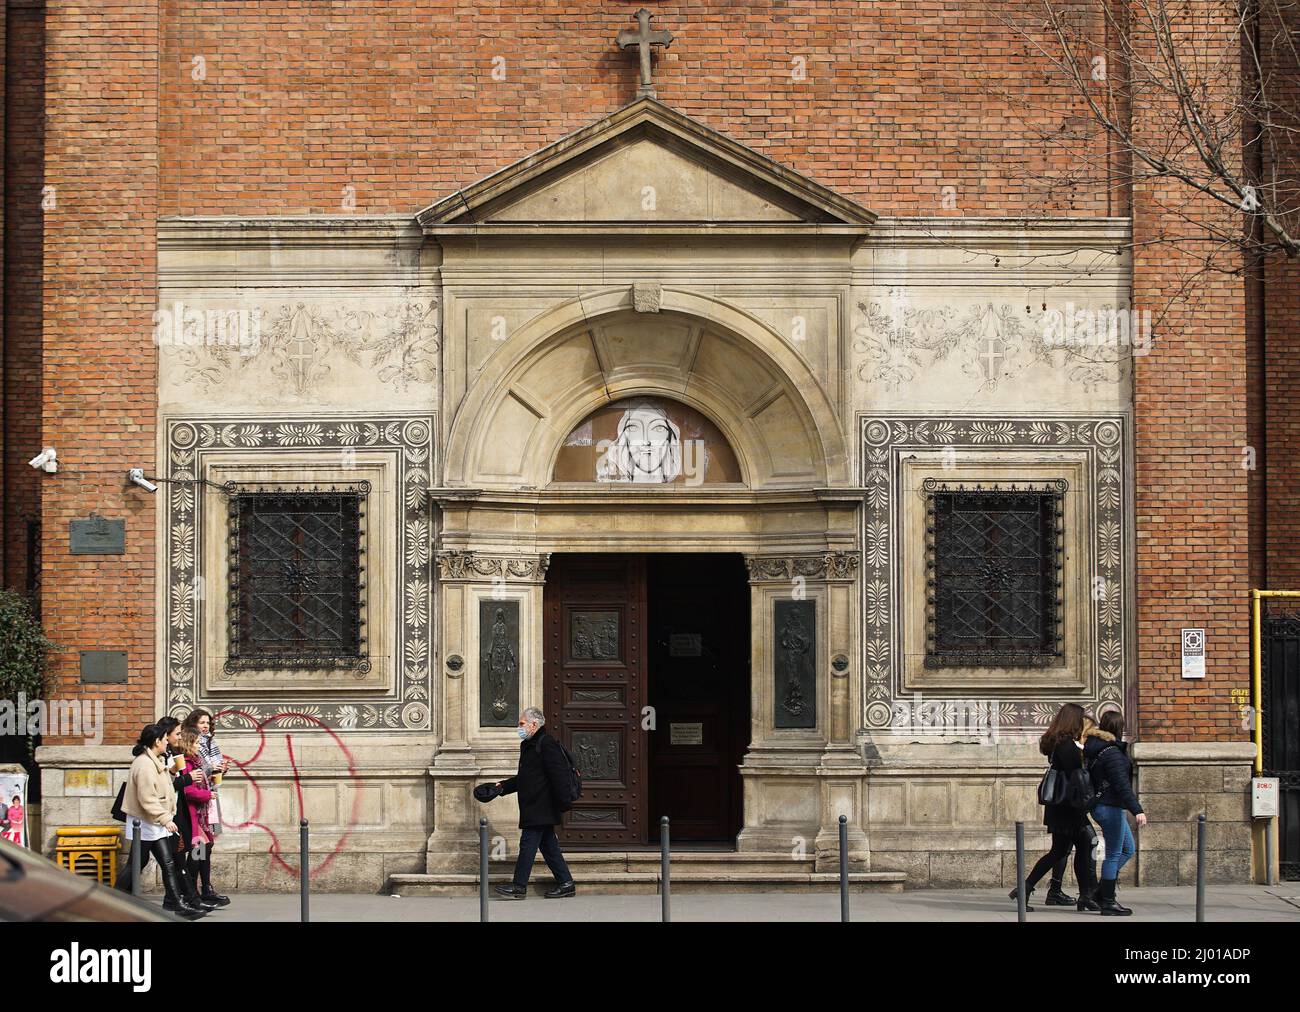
(1112, 776)
(1068, 825)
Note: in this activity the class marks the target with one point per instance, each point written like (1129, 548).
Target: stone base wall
(1178, 781)
(944, 814)
(367, 821)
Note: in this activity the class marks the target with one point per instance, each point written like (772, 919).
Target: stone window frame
(1102, 444)
(394, 698)
(1052, 492)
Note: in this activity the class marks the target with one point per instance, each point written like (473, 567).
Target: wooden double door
(647, 682)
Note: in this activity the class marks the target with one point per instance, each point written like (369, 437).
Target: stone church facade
(787, 493)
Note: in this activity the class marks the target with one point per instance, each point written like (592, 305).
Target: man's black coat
(542, 768)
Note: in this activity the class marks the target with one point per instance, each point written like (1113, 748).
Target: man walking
(543, 772)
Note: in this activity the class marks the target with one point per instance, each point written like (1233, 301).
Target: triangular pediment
(646, 165)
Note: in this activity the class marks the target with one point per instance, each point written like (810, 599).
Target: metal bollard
(665, 910)
(844, 869)
(1137, 856)
(304, 869)
(1268, 851)
(135, 858)
(1021, 899)
(482, 871)
(1200, 867)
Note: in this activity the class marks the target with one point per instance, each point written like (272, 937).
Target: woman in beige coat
(150, 797)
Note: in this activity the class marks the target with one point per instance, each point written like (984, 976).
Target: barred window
(994, 574)
(297, 578)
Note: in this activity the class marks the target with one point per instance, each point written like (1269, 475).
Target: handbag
(1051, 789)
(117, 811)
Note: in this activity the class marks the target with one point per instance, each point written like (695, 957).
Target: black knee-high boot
(175, 900)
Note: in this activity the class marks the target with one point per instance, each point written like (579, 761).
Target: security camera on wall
(47, 460)
(136, 475)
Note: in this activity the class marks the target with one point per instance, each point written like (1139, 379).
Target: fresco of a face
(648, 447)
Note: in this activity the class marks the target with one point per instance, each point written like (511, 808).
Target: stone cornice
(648, 498)
(1039, 233)
(286, 231)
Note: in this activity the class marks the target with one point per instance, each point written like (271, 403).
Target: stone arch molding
(593, 349)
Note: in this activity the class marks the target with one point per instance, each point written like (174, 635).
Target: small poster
(1193, 653)
(13, 807)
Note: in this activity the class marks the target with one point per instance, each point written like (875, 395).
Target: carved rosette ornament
(831, 566)
(461, 565)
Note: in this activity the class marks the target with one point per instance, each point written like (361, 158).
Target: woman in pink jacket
(192, 820)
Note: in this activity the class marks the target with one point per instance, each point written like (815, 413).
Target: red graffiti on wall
(243, 766)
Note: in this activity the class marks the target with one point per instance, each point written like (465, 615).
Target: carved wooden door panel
(594, 679)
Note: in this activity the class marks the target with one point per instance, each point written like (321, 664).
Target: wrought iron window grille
(994, 558)
(296, 581)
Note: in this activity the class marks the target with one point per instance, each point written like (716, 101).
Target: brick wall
(300, 99)
(1282, 329)
(100, 370)
(1191, 420)
(24, 169)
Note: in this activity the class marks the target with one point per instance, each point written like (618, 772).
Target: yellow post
(1257, 692)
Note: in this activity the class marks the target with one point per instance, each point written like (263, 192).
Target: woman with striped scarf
(214, 765)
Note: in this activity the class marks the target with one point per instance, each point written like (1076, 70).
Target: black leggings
(205, 867)
(1080, 838)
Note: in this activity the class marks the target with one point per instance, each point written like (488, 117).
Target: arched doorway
(533, 507)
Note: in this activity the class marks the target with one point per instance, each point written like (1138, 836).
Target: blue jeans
(1119, 839)
(529, 840)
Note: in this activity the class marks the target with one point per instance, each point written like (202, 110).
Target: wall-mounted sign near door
(685, 645)
(686, 734)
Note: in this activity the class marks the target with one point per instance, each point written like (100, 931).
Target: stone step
(693, 878)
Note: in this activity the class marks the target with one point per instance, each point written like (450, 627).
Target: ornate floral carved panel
(889, 441)
(191, 444)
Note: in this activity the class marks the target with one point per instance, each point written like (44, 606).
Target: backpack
(570, 790)
(1080, 794)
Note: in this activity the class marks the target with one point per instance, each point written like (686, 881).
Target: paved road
(1223, 903)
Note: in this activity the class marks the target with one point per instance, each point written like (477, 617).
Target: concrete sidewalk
(1222, 903)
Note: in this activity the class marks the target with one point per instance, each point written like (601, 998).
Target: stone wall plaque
(794, 649)
(101, 667)
(498, 687)
(97, 535)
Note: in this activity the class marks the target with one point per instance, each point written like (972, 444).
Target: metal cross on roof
(643, 38)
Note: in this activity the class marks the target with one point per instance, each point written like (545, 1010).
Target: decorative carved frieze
(462, 565)
(782, 568)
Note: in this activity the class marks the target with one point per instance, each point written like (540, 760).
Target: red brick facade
(187, 108)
